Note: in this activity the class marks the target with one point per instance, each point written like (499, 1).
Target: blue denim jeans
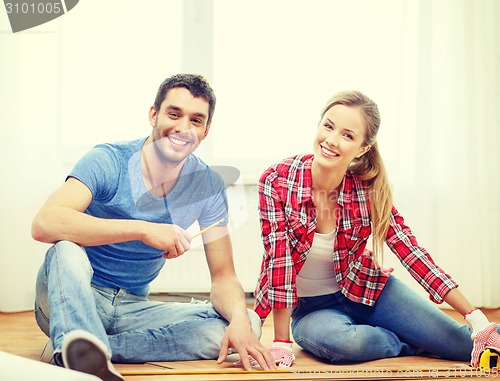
(401, 323)
(134, 329)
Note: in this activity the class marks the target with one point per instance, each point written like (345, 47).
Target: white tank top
(317, 276)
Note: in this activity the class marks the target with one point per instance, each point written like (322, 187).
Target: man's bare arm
(62, 217)
(229, 300)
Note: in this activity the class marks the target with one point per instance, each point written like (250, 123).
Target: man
(122, 211)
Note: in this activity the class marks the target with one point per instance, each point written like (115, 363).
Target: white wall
(29, 155)
(282, 66)
(87, 77)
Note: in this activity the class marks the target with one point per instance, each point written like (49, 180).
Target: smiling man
(122, 211)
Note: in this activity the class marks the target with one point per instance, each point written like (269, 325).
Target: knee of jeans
(66, 246)
(330, 343)
(256, 322)
(71, 253)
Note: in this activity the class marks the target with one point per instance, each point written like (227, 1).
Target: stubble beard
(163, 154)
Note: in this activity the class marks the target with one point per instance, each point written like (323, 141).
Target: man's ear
(152, 116)
(207, 128)
(363, 150)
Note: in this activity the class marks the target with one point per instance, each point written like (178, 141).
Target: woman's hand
(484, 335)
(486, 338)
(281, 353)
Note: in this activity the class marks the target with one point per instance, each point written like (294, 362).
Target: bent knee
(66, 246)
(69, 256)
(338, 346)
(256, 322)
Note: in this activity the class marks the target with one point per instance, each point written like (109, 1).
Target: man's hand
(248, 346)
(172, 239)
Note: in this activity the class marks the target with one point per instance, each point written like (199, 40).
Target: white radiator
(189, 273)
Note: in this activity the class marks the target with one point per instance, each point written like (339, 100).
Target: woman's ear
(363, 150)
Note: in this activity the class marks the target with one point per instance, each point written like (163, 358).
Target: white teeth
(328, 152)
(177, 141)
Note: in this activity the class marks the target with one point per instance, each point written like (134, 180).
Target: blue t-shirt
(113, 174)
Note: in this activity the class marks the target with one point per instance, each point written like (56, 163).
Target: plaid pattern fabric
(288, 221)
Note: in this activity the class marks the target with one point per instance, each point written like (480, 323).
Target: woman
(317, 213)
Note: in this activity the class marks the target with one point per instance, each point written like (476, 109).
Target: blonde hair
(370, 167)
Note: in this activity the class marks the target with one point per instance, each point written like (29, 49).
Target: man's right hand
(172, 239)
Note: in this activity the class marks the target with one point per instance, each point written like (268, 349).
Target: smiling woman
(317, 274)
(341, 135)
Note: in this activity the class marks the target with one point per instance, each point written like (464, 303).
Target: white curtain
(446, 177)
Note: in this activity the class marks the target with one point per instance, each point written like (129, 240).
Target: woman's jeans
(133, 328)
(400, 324)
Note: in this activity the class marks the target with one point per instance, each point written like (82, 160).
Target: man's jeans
(401, 323)
(133, 328)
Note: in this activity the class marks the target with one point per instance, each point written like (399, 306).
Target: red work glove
(282, 354)
(484, 335)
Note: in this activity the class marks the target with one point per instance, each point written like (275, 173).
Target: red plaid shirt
(288, 222)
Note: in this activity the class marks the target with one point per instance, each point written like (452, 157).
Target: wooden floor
(20, 335)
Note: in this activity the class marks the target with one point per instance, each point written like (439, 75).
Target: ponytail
(370, 168)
